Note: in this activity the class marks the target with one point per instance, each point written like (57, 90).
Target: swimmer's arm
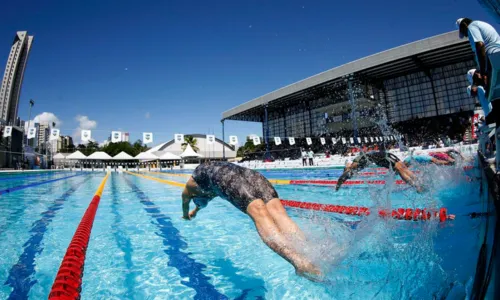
(186, 199)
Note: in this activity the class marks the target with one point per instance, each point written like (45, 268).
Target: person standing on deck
(310, 154)
(304, 157)
(254, 195)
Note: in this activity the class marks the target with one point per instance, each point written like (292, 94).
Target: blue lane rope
(22, 187)
(21, 274)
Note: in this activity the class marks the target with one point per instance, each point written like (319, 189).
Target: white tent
(189, 152)
(76, 155)
(99, 155)
(123, 156)
(146, 156)
(169, 156)
(59, 156)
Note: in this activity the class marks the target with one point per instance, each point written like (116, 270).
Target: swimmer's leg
(274, 239)
(407, 175)
(288, 227)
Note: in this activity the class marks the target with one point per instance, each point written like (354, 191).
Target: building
(66, 142)
(416, 81)
(43, 132)
(125, 136)
(208, 151)
(13, 77)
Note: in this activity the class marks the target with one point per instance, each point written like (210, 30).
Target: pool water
(140, 248)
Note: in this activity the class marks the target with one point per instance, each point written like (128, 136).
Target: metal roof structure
(428, 53)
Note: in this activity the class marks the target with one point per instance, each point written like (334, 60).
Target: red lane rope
(68, 282)
(399, 213)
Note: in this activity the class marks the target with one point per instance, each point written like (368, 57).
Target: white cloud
(44, 118)
(83, 123)
(104, 143)
(147, 115)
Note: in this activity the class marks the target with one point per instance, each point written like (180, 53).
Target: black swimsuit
(380, 158)
(238, 185)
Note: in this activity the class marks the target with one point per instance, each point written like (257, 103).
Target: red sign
(475, 120)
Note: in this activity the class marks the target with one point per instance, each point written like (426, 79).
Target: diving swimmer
(382, 159)
(448, 155)
(254, 195)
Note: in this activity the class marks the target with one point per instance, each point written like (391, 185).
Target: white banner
(277, 140)
(359, 140)
(334, 141)
(86, 135)
(351, 140)
(291, 141)
(256, 140)
(309, 141)
(210, 139)
(371, 139)
(366, 139)
(322, 140)
(179, 138)
(343, 140)
(381, 139)
(31, 133)
(7, 131)
(116, 136)
(233, 140)
(147, 137)
(54, 134)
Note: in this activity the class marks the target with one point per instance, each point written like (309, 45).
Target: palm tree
(191, 141)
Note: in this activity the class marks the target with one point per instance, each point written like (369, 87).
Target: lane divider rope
(68, 281)
(399, 213)
(22, 187)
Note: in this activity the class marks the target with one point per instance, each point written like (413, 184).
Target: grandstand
(414, 86)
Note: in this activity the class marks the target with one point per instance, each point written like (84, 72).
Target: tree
(191, 141)
(114, 148)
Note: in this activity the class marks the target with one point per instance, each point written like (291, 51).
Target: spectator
(304, 157)
(311, 156)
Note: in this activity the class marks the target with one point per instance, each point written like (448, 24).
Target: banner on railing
(277, 140)
(359, 140)
(54, 134)
(7, 131)
(371, 139)
(334, 141)
(256, 140)
(86, 135)
(366, 139)
(309, 141)
(179, 138)
(291, 141)
(147, 137)
(322, 140)
(343, 140)
(351, 140)
(31, 133)
(233, 140)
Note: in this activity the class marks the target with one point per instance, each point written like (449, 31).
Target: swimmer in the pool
(449, 155)
(382, 159)
(254, 195)
(425, 159)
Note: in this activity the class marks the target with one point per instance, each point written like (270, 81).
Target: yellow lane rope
(101, 186)
(174, 183)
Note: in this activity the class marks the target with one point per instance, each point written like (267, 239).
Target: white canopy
(189, 152)
(99, 155)
(59, 156)
(76, 155)
(146, 156)
(169, 156)
(123, 156)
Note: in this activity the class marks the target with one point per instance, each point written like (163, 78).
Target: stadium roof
(435, 51)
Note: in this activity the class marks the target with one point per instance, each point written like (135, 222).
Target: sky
(174, 66)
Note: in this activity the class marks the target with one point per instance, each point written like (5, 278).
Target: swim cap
(470, 75)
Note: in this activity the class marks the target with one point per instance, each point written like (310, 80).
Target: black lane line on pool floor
(122, 240)
(174, 243)
(20, 275)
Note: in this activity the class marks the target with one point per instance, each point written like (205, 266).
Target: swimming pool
(140, 248)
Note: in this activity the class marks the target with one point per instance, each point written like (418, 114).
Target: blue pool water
(140, 248)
